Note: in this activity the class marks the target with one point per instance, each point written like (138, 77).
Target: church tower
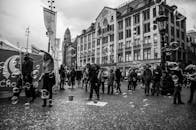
(66, 42)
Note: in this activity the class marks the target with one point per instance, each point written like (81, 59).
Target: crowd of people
(156, 81)
(93, 78)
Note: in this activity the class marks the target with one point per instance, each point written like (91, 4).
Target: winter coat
(111, 78)
(147, 75)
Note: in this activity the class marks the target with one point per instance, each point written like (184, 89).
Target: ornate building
(129, 35)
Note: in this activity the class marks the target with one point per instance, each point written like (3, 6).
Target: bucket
(71, 98)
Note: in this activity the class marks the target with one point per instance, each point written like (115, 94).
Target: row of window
(137, 55)
(84, 38)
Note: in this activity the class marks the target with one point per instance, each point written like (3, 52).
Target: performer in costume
(48, 78)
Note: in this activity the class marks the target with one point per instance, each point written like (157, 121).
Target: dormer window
(112, 18)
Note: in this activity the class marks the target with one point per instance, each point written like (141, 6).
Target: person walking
(111, 82)
(62, 77)
(147, 77)
(118, 77)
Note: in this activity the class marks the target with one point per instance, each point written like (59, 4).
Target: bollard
(71, 98)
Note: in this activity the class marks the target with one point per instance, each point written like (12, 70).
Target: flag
(50, 24)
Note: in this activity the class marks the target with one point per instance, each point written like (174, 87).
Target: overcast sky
(17, 15)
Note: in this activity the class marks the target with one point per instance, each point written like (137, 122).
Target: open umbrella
(48, 61)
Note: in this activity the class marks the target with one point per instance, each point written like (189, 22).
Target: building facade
(191, 48)
(65, 44)
(129, 35)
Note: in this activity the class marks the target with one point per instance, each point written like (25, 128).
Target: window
(93, 44)
(105, 40)
(128, 56)
(172, 31)
(147, 54)
(146, 14)
(183, 24)
(85, 46)
(104, 60)
(146, 39)
(120, 35)
(154, 12)
(137, 30)
(89, 45)
(120, 25)
(178, 33)
(137, 41)
(112, 18)
(89, 37)
(120, 57)
(182, 35)
(112, 48)
(85, 39)
(136, 18)
(177, 23)
(81, 48)
(112, 38)
(112, 59)
(112, 27)
(128, 44)
(98, 51)
(156, 56)
(128, 33)
(172, 17)
(81, 39)
(98, 42)
(93, 36)
(146, 27)
(120, 45)
(98, 60)
(128, 22)
(155, 39)
(137, 55)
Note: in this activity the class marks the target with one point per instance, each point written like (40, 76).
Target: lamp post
(162, 25)
(27, 34)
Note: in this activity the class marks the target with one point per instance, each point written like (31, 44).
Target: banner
(50, 24)
(10, 65)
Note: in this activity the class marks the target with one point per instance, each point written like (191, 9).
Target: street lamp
(161, 21)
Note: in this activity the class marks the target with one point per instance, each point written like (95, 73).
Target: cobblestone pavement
(128, 111)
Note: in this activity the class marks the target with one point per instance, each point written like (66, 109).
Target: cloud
(17, 15)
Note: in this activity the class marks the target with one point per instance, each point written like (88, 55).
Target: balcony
(137, 46)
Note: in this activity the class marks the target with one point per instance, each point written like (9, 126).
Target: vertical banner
(50, 24)
(10, 64)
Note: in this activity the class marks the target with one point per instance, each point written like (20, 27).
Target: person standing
(133, 77)
(27, 69)
(73, 76)
(147, 77)
(156, 81)
(111, 82)
(78, 77)
(93, 74)
(101, 80)
(62, 77)
(118, 77)
(129, 80)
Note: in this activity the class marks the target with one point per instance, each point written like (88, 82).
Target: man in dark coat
(192, 86)
(133, 79)
(147, 77)
(27, 69)
(73, 76)
(93, 77)
(118, 77)
(156, 80)
(62, 77)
